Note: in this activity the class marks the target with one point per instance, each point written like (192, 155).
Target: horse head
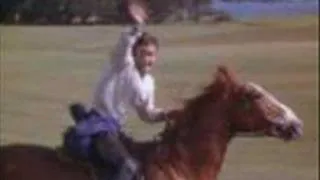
(253, 109)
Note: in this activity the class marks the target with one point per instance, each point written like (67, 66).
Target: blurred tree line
(93, 11)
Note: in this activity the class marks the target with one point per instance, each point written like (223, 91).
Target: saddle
(79, 138)
(97, 168)
(81, 149)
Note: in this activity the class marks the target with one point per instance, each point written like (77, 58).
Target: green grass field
(45, 68)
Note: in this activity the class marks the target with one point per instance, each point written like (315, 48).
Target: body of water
(251, 10)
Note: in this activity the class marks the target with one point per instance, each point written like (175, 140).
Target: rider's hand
(172, 114)
(171, 117)
(137, 11)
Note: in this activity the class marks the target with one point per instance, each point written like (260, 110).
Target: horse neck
(203, 145)
(209, 147)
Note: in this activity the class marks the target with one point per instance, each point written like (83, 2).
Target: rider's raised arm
(122, 54)
(136, 11)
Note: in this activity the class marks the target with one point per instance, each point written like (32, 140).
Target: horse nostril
(298, 128)
(294, 131)
(288, 131)
(280, 128)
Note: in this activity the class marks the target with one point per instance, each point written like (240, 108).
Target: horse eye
(245, 103)
(253, 95)
(248, 98)
(256, 95)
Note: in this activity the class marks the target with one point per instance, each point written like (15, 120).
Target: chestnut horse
(192, 145)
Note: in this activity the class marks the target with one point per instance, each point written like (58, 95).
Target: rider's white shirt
(121, 86)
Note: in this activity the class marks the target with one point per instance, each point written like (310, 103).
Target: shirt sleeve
(122, 55)
(144, 103)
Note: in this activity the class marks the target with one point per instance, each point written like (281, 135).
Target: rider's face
(146, 56)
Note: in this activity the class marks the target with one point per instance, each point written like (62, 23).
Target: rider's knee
(130, 166)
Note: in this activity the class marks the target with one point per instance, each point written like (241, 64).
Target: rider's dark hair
(143, 40)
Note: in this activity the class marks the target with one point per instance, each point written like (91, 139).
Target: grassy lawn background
(45, 68)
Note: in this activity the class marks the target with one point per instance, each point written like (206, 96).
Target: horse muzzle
(289, 131)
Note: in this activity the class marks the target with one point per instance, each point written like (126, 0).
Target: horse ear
(225, 74)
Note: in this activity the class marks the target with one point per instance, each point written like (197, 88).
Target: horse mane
(224, 79)
(217, 91)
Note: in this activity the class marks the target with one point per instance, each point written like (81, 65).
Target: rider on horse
(126, 82)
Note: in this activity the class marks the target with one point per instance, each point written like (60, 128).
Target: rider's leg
(111, 149)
